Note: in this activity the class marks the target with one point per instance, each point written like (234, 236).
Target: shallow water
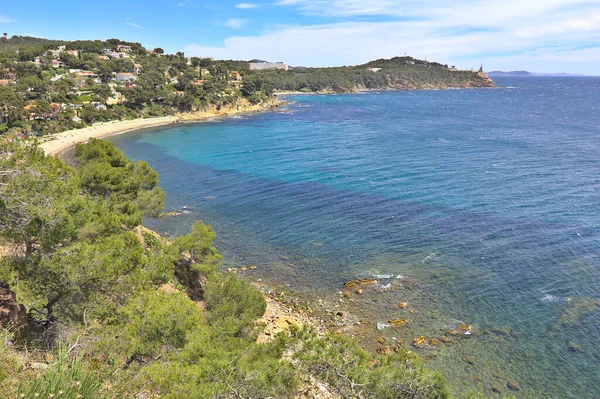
(485, 201)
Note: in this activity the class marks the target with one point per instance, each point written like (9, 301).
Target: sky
(534, 35)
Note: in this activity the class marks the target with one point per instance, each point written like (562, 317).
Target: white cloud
(5, 20)
(236, 23)
(502, 33)
(246, 6)
(135, 25)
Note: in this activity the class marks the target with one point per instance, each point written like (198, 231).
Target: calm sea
(485, 202)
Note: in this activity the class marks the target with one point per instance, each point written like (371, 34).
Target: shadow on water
(483, 202)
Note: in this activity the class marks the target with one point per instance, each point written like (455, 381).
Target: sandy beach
(59, 142)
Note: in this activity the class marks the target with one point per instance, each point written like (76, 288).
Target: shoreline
(58, 143)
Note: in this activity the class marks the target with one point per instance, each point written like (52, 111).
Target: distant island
(526, 73)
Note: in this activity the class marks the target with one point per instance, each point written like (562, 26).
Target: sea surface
(479, 206)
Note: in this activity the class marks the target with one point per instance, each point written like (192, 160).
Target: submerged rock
(463, 329)
(362, 281)
(577, 308)
(403, 305)
(496, 387)
(425, 343)
(469, 359)
(575, 347)
(397, 322)
(513, 386)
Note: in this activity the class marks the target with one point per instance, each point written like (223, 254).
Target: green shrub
(233, 305)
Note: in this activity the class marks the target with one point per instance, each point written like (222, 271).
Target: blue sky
(542, 36)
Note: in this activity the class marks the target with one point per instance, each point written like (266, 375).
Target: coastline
(55, 144)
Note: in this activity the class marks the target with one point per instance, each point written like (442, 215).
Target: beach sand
(61, 141)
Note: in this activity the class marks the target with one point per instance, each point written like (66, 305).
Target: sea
(476, 207)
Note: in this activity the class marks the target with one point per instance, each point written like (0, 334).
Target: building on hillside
(236, 78)
(373, 69)
(112, 54)
(10, 73)
(262, 66)
(150, 52)
(104, 57)
(199, 82)
(5, 82)
(137, 68)
(56, 107)
(37, 61)
(53, 53)
(57, 64)
(204, 72)
(89, 75)
(73, 53)
(125, 77)
(123, 48)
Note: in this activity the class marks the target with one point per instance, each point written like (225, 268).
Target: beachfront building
(262, 66)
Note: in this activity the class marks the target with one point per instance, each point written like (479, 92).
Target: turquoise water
(485, 201)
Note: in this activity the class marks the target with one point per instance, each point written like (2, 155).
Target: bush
(233, 305)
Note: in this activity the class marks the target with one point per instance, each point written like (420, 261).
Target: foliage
(69, 379)
(351, 372)
(233, 305)
(396, 73)
(80, 264)
(131, 189)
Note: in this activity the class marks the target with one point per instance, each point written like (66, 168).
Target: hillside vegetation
(112, 311)
(48, 86)
(400, 73)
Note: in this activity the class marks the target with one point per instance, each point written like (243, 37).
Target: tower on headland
(481, 68)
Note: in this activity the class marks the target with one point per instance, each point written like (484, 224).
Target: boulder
(12, 314)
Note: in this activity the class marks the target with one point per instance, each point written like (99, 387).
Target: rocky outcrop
(192, 279)
(12, 314)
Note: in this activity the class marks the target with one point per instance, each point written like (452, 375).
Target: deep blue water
(488, 198)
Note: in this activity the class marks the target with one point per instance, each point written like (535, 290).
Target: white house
(125, 77)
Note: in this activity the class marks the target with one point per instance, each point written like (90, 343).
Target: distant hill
(526, 73)
(399, 73)
(512, 73)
